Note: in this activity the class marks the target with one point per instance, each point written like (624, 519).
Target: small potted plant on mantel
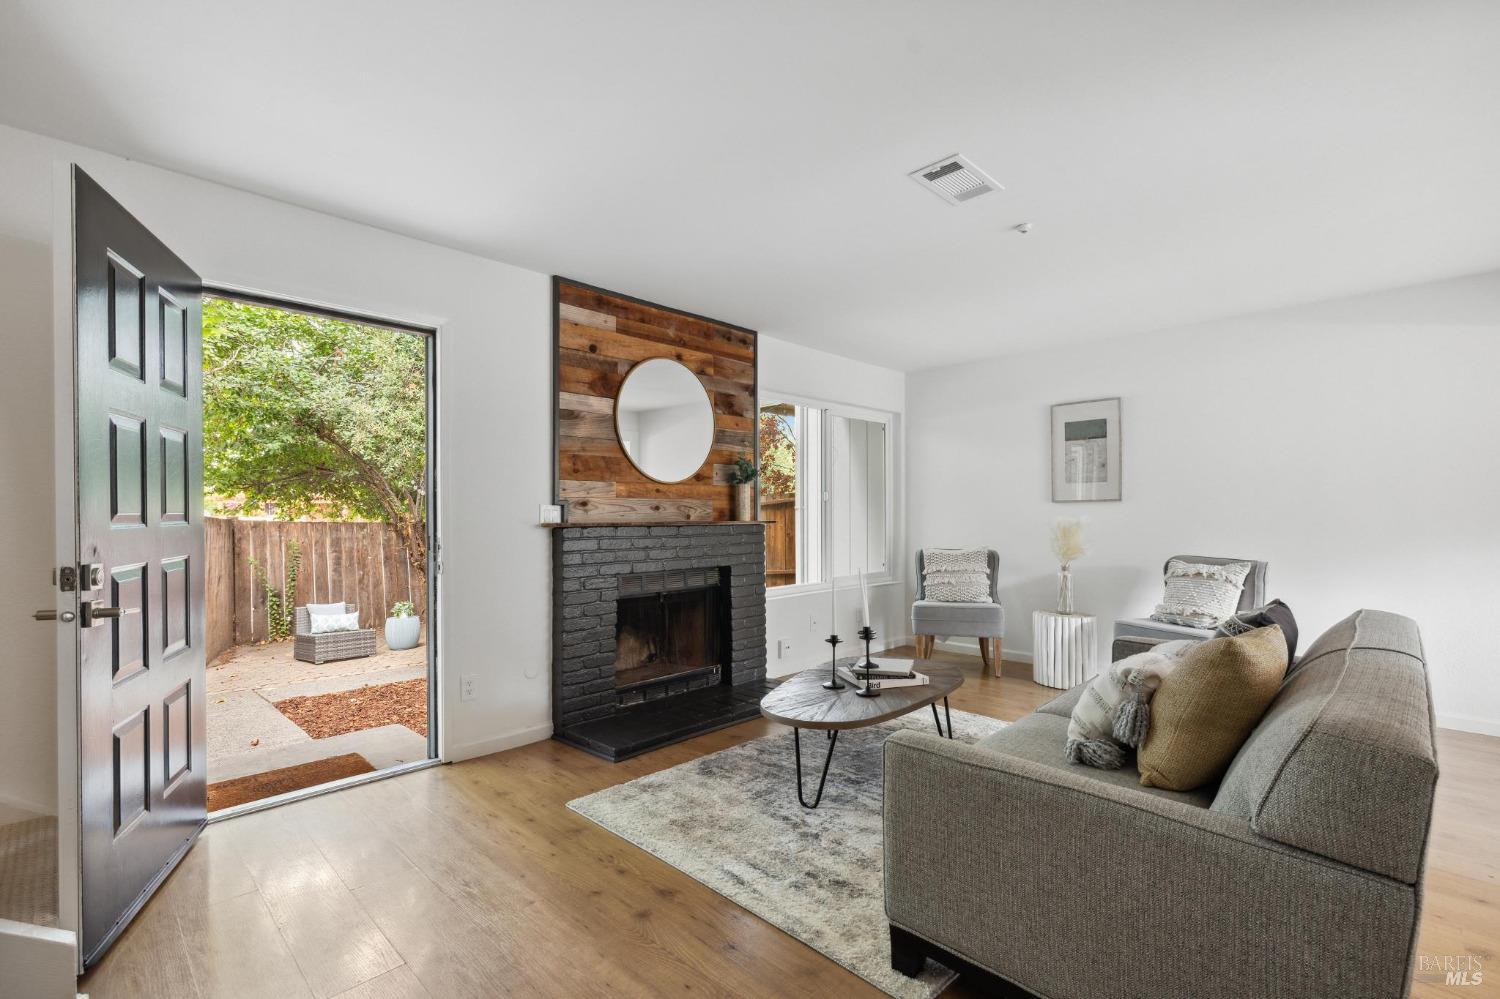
(743, 475)
(403, 627)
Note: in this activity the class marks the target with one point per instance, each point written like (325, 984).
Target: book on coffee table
(885, 669)
(914, 679)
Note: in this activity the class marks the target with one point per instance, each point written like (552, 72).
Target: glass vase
(1065, 589)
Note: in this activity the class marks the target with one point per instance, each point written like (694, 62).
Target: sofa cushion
(1039, 737)
(1344, 764)
(1062, 704)
(1208, 706)
(971, 620)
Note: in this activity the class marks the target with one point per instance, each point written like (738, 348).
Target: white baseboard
(499, 743)
(970, 647)
(1463, 723)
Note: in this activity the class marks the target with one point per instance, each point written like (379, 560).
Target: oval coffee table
(803, 702)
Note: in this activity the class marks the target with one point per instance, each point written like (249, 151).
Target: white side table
(1066, 648)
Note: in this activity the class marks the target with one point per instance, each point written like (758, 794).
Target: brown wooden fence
(359, 563)
(781, 540)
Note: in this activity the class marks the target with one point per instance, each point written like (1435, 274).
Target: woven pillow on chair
(1200, 595)
(956, 575)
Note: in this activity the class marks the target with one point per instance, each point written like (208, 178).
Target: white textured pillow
(327, 624)
(956, 575)
(338, 608)
(1199, 595)
(1114, 711)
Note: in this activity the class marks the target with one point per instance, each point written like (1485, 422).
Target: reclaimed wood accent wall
(600, 337)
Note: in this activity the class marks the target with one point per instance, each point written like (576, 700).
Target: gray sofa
(1252, 595)
(1299, 874)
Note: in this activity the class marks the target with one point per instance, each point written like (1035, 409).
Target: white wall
(494, 352)
(789, 369)
(1355, 445)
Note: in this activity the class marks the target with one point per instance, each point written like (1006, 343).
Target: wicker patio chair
(310, 648)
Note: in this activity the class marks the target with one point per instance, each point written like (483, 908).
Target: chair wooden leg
(924, 646)
(990, 651)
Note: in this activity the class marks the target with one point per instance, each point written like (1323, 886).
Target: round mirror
(664, 420)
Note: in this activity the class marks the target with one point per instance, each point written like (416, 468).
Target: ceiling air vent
(955, 179)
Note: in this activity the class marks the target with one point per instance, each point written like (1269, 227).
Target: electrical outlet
(466, 685)
(783, 648)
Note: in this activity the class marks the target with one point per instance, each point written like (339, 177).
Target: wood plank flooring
(475, 880)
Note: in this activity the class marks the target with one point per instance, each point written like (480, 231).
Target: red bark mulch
(324, 715)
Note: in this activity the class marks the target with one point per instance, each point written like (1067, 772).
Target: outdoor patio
(248, 734)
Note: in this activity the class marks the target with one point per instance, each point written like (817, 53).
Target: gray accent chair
(986, 622)
(1253, 595)
(1299, 874)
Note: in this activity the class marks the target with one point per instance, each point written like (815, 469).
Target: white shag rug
(732, 821)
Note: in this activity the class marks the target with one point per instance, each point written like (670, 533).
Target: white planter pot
(402, 632)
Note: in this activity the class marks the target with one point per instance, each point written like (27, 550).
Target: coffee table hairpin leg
(833, 738)
(947, 713)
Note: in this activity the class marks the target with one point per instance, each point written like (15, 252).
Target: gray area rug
(731, 820)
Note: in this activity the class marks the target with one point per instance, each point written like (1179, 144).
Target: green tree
(302, 412)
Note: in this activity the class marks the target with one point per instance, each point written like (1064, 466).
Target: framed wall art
(1086, 451)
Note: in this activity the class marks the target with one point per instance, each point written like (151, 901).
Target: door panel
(132, 632)
(140, 518)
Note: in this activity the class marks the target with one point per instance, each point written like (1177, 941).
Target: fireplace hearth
(659, 633)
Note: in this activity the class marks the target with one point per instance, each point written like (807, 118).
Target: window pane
(857, 486)
(779, 431)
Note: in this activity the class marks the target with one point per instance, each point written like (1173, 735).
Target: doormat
(228, 793)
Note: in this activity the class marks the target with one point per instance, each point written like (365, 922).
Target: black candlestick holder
(833, 682)
(870, 689)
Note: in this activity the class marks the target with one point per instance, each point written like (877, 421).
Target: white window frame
(892, 573)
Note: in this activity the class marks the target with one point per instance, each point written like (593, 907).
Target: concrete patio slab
(385, 746)
(240, 721)
(244, 683)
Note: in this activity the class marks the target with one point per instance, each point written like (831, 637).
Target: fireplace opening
(668, 625)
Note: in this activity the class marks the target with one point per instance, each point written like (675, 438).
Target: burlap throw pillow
(1208, 706)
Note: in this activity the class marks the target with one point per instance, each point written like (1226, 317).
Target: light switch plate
(549, 513)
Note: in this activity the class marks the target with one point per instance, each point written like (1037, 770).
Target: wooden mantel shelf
(652, 523)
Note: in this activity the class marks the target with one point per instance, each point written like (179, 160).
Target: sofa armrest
(1072, 887)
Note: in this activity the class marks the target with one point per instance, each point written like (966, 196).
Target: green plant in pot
(743, 476)
(403, 628)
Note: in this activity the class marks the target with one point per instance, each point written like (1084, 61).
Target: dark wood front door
(139, 455)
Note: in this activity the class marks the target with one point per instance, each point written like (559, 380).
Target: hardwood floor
(475, 880)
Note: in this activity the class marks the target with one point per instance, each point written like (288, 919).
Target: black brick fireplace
(659, 632)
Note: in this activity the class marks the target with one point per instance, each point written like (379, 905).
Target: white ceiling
(1181, 161)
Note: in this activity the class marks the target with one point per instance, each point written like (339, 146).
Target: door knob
(66, 617)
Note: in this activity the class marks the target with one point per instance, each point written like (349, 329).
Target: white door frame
(64, 451)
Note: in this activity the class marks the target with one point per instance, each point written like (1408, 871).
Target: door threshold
(312, 792)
